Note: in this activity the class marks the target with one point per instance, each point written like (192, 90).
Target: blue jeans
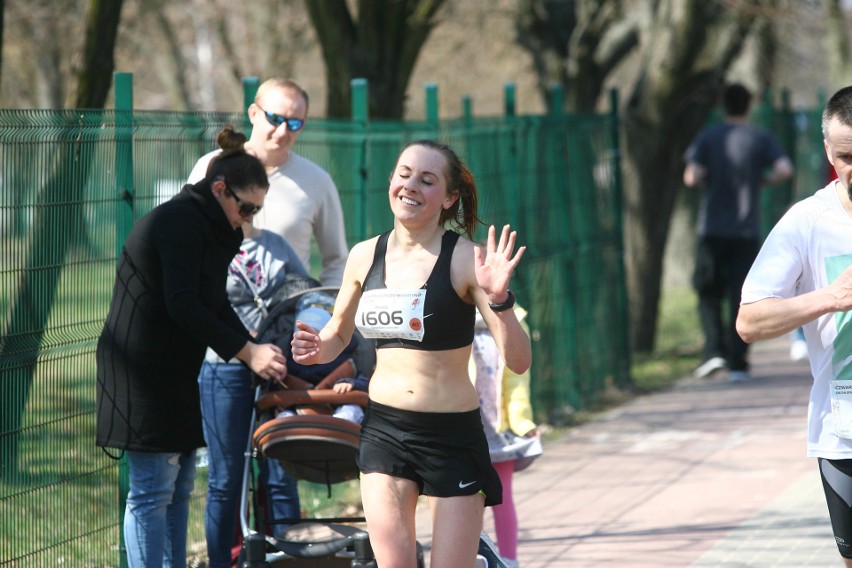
(227, 398)
(155, 521)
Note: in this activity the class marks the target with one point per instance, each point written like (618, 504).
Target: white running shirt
(807, 250)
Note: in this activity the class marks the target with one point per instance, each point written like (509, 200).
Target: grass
(678, 349)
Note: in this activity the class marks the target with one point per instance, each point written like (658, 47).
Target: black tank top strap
(376, 275)
(445, 257)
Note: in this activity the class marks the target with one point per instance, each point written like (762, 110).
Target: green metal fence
(73, 182)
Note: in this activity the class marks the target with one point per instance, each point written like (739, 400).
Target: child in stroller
(342, 375)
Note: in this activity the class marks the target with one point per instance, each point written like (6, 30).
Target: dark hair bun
(230, 140)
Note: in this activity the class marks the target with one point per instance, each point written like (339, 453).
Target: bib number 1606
(381, 318)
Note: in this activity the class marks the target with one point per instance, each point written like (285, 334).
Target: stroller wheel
(253, 552)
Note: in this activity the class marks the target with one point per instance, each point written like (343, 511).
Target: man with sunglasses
(302, 201)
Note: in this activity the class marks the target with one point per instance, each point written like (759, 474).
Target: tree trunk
(694, 44)
(95, 78)
(381, 46)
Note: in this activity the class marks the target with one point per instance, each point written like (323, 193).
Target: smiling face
(418, 186)
(266, 136)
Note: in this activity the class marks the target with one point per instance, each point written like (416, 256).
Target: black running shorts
(444, 453)
(837, 483)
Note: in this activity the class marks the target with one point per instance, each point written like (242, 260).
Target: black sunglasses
(276, 120)
(246, 209)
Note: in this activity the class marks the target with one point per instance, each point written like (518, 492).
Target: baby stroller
(312, 445)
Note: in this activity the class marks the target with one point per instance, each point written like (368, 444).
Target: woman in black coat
(169, 304)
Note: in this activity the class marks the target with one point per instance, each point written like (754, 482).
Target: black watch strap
(502, 307)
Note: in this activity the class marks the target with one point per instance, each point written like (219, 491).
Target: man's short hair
(736, 100)
(838, 106)
(285, 85)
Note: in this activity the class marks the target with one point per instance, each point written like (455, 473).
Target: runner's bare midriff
(418, 380)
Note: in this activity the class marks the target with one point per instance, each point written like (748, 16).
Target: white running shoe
(709, 367)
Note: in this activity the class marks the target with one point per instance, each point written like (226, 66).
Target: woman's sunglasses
(246, 209)
(276, 120)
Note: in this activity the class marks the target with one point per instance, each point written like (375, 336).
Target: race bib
(841, 407)
(391, 314)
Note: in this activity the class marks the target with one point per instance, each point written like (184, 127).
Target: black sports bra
(447, 319)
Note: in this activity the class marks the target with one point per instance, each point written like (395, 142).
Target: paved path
(707, 473)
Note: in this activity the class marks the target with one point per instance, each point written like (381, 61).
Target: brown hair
(460, 182)
(239, 169)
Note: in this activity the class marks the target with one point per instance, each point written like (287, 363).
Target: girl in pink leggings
(513, 438)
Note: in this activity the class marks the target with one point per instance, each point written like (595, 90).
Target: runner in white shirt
(803, 277)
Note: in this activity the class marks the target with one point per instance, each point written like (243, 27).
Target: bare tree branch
(576, 43)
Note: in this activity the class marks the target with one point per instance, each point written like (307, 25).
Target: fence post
(360, 120)
(467, 109)
(509, 99)
(547, 150)
(615, 139)
(432, 106)
(250, 86)
(557, 100)
(123, 94)
(467, 120)
(511, 159)
(621, 300)
(789, 133)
